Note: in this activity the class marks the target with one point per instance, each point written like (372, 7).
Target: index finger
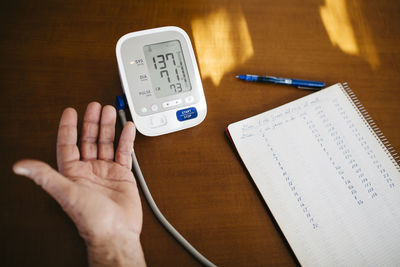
(124, 151)
(67, 149)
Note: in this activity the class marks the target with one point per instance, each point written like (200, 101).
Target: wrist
(117, 250)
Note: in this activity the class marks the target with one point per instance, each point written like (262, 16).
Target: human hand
(94, 187)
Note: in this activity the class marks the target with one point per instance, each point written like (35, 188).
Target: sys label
(186, 114)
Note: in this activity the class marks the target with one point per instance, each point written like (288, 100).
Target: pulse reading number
(160, 63)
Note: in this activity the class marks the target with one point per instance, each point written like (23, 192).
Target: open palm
(95, 186)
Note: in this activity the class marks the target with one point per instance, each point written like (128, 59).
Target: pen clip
(308, 88)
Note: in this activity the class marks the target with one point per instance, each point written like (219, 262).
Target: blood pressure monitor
(161, 80)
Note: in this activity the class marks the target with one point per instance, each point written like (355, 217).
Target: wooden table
(56, 54)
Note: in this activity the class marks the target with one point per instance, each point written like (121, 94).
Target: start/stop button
(186, 114)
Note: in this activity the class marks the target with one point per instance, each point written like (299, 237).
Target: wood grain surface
(58, 54)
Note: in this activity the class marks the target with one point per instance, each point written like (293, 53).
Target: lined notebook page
(328, 180)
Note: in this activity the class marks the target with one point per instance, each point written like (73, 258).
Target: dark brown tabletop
(57, 54)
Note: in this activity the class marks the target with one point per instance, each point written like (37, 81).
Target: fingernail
(21, 171)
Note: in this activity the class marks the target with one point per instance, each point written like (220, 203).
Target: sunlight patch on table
(348, 29)
(222, 42)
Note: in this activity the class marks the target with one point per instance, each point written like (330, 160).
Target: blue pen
(302, 84)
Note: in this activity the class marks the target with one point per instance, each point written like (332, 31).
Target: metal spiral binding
(387, 147)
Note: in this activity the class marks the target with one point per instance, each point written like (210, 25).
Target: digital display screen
(167, 68)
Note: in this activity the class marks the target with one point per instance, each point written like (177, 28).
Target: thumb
(58, 186)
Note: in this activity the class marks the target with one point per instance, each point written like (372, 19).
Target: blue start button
(186, 114)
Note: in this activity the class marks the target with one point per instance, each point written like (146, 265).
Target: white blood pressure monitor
(161, 80)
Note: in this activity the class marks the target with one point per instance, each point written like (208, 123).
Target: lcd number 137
(160, 63)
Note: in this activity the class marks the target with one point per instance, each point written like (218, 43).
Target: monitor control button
(186, 114)
(189, 99)
(154, 107)
(157, 121)
(172, 103)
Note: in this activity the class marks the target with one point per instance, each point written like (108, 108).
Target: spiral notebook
(329, 177)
